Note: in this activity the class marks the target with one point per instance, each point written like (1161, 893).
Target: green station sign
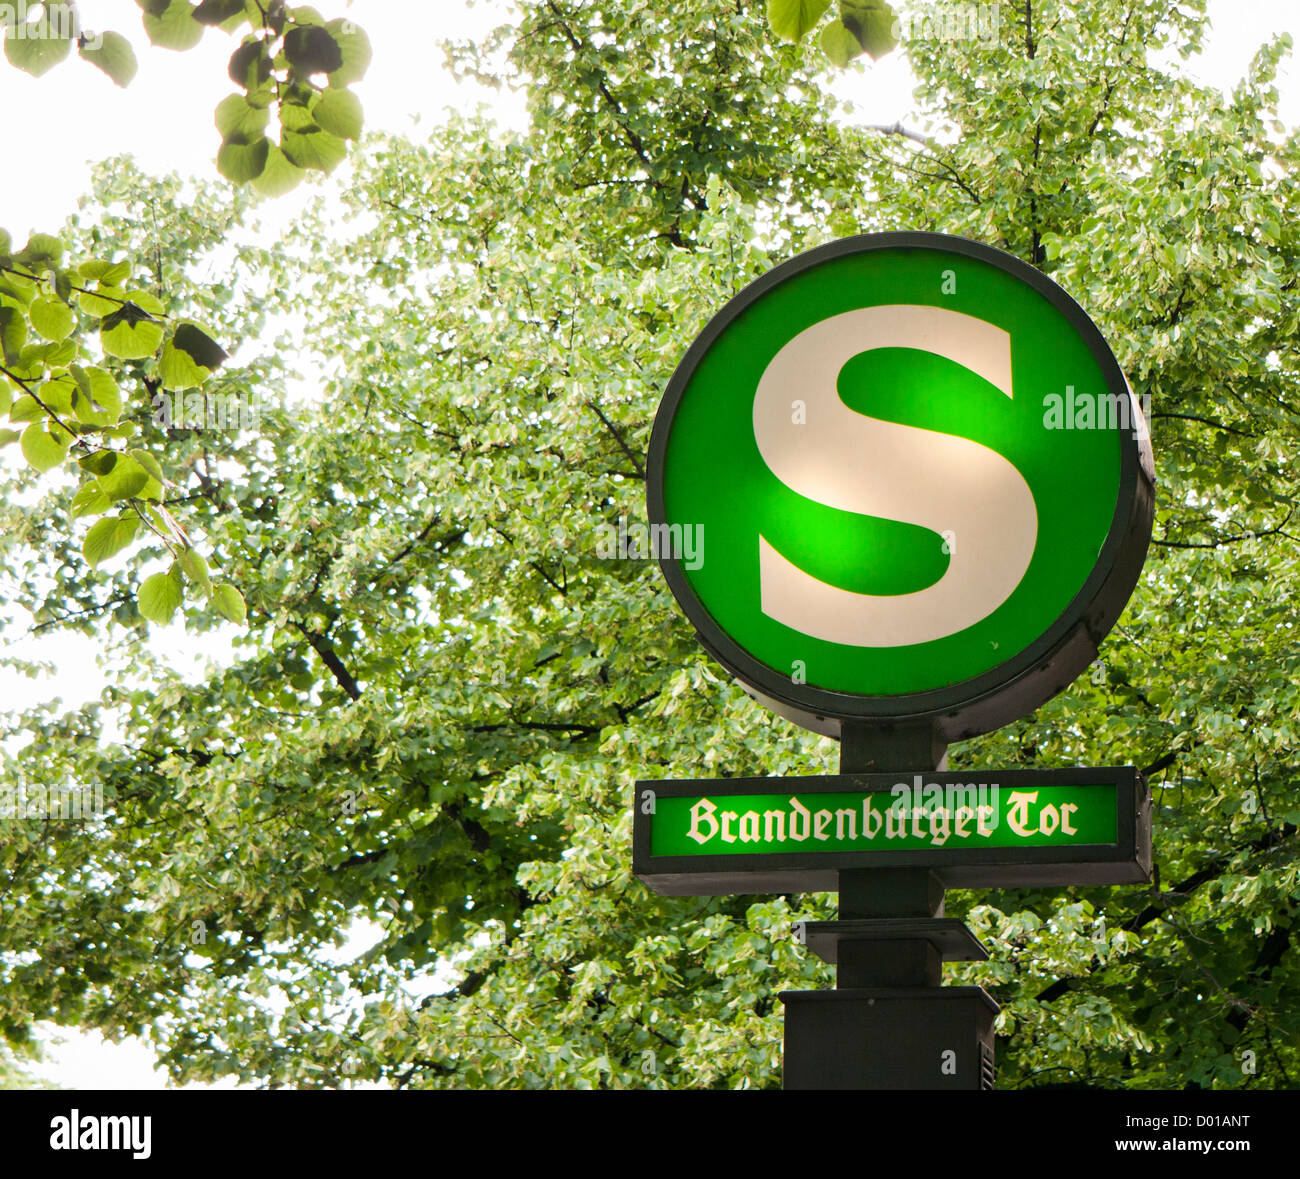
(900, 521)
(988, 829)
(1048, 816)
(902, 490)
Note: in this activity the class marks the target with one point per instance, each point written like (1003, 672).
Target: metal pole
(889, 1023)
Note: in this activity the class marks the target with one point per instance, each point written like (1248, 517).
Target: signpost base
(889, 1038)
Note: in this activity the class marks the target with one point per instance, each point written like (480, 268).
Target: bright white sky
(75, 115)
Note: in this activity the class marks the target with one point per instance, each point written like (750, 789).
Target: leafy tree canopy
(291, 63)
(435, 714)
(68, 327)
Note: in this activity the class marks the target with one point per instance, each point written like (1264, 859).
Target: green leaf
(57, 394)
(872, 24)
(312, 50)
(792, 19)
(839, 44)
(239, 121)
(26, 409)
(100, 387)
(53, 318)
(339, 112)
(279, 176)
(241, 162)
(229, 603)
(90, 501)
(314, 149)
(108, 538)
(30, 366)
(215, 12)
(132, 332)
(196, 569)
(103, 301)
(261, 96)
(175, 27)
(37, 47)
(147, 302)
(177, 369)
(160, 597)
(354, 46)
(126, 479)
(8, 436)
(17, 288)
(200, 347)
(85, 412)
(43, 251)
(149, 463)
(30, 363)
(45, 450)
(58, 354)
(295, 111)
(100, 462)
(250, 64)
(114, 56)
(13, 333)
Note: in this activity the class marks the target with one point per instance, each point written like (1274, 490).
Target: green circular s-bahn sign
(918, 485)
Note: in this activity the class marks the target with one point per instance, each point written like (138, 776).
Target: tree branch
(1184, 888)
(898, 129)
(1190, 417)
(627, 450)
(325, 649)
(540, 726)
(1276, 530)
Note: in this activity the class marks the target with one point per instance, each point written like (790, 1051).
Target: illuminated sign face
(980, 816)
(984, 828)
(920, 477)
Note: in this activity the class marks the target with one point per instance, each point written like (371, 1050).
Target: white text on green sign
(910, 816)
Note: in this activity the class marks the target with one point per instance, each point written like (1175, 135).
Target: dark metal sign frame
(1029, 677)
(1126, 861)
